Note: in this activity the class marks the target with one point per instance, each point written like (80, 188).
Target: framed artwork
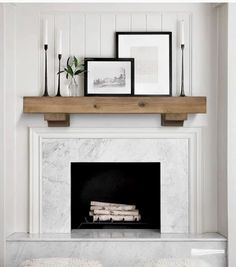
(109, 76)
(152, 52)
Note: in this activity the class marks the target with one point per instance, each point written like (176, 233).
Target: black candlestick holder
(59, 76)
(46, 72)
(182, 93)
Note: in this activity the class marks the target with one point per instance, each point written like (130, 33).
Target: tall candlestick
(46, 72)
(59, 76)
(182, 93)
(45, 32)
(182, 32)
(59, 42)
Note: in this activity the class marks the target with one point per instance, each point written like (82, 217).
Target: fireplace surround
(177, 150)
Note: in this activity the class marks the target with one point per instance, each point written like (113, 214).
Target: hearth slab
(117, 248)
(116, 235)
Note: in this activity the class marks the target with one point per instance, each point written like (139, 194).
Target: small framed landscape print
(109, 76)
(152, 52)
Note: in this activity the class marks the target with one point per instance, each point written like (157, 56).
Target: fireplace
(54, 153)
(131, 183)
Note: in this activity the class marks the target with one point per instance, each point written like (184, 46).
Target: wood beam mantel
(174, 110)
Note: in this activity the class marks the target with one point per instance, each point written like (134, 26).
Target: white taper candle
(45, 32)
(59, 42)
(182, 32)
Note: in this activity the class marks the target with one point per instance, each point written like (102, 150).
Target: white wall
(23, 37)
(10, 121)
(2, 145)
(231, 100)
(222, 80)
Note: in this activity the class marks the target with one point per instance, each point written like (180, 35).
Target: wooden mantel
(173, 110)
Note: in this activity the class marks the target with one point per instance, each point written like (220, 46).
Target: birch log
(112, 208)
(107, 205)
(116, 212)
(116, 218)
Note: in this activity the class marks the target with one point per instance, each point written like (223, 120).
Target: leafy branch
(73, 68)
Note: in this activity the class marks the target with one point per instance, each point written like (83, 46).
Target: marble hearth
(126, 248)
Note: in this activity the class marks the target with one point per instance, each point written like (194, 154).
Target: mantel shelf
(173, 110)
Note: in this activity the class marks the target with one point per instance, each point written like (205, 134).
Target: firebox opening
(134, 185)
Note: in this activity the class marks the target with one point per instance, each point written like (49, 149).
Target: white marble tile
(118, 253)
(124, 235)
(57, 154)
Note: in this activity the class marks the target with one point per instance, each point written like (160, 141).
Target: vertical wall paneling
(10, 103)
(24, 48)
(51, 55)
(139, 22)
(2, 142)
(222, 23)
(187, 54)
(93, 35)
(108, 35)
(154, 21)
(231, 131)
(169, 23)
(123, 22)
(62, 22)
(77, 42)
(77, 35)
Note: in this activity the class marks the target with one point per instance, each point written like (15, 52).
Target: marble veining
(57, 154)
(124, 235)
(117, 253)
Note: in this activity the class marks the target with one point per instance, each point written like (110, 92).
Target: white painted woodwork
(2, 143)
(108, 28)
(222, 81)
(154, 22)
(170, 23)
(93, 35)
(138, 22)
(77, 45)
(24, 51)
(231, 133)
(123, 22)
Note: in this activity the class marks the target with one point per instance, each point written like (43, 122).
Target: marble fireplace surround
(178, 151)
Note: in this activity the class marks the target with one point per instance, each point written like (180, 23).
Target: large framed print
(152, 52)
(109, 76)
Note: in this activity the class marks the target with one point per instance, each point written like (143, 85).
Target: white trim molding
(195, 172)
(2, 138)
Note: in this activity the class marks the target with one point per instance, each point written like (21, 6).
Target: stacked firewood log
(104, 211)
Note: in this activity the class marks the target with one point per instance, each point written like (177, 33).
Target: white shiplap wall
(24, 65)
(92, 34)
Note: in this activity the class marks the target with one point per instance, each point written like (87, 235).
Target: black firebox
(131, 183)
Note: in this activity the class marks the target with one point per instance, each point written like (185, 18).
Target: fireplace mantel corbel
(57, 110)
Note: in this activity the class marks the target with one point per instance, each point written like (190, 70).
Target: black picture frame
(165, 33)
(87, 72)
